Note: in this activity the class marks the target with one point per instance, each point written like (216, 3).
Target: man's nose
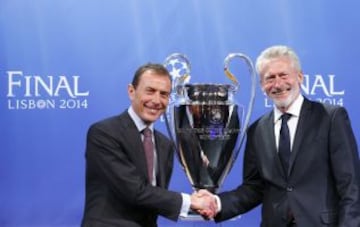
(156, 97)
(277, 81)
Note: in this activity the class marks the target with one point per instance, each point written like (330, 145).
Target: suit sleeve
(345, 166)
(249, 194)
(109, 159)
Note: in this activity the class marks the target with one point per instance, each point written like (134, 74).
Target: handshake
(205, 203)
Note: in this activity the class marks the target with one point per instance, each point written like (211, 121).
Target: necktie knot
(147, 132)
(285, 117)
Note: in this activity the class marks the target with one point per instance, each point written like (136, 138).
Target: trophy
(205, 122)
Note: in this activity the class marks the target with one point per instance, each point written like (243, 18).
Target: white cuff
(185, 206)
(218, 202)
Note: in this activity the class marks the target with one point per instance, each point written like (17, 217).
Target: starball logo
(320, 88)
(35, 92)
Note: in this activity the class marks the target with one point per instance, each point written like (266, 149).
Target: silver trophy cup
(205, 122)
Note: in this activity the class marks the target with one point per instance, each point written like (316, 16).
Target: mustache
(280, 90)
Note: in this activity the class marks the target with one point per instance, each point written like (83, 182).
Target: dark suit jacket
(322, 186)
(118, 192)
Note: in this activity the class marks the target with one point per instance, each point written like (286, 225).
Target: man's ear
(261, 86)
(131, 91)
(300, 77)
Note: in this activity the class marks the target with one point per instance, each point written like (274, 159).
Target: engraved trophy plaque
(205, 122)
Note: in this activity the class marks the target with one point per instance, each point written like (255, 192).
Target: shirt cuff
(218, 203)
(185, 206)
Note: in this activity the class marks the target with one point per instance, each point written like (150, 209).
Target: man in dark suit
(319, 183)
(121, 189)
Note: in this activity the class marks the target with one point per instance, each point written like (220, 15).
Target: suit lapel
(161, 150)
(132, 135)
(270, 145)
(303, 126)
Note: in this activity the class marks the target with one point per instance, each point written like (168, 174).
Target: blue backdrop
(65, 64)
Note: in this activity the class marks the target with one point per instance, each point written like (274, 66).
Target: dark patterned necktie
(284, 142)
(149, 151)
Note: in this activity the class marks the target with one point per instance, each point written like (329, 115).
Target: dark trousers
(291, 223)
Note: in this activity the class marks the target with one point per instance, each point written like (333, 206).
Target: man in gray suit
(317, 183)
(123, 187)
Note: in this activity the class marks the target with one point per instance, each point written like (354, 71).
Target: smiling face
(281, 81)
(150, 97)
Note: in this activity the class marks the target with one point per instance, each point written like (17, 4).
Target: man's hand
(204, 203)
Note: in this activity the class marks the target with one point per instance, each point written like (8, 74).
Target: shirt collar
(140, 125)
(294, 109)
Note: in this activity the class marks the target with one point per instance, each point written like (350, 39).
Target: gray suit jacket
(118, 192)
(322, 186)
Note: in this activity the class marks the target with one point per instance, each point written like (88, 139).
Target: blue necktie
(284, 142)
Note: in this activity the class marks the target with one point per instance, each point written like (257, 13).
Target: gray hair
(277, 51)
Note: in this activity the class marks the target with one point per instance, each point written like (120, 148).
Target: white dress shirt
(294, 110)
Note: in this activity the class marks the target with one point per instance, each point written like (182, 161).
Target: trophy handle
(179, 74)
(250, 65)
(179, 68)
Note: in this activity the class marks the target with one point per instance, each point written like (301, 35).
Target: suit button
(289, 189)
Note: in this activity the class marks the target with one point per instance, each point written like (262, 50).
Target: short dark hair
(155, 67)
